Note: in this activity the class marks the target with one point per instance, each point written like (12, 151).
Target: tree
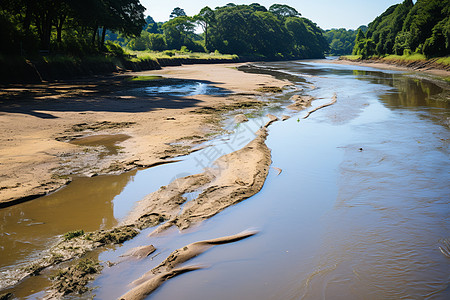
(177, 12)
(157, 42)
(177, 32)
(205, 18)
(284, 11)
(359, 42)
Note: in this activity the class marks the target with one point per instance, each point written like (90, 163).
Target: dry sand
(38, 121)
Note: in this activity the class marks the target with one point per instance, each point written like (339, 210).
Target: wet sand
(395, 67)
(38, 122)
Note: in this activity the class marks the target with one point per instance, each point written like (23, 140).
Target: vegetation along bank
(51, 39)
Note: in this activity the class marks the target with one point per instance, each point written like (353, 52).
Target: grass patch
(444, 60)
(352, 57)
(73, 234)
(145, 78)
(412, 57)
(170, 54)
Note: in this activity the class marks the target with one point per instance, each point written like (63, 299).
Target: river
(359, 210)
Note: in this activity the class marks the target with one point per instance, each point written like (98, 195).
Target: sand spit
(151, 280)
(300, 102)
(333, 101)
(234, 177)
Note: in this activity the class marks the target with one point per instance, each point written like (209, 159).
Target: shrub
(114, 48)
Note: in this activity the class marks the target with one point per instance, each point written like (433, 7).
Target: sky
(349, 14)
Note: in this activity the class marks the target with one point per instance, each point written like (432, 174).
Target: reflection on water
(28, 228)
(407, 91)
(185, 89)
(108, 141)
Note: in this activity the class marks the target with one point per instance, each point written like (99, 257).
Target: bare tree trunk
(103, 37)
(59, 26)
(94, 34)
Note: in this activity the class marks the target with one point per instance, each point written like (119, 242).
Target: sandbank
(38, 122)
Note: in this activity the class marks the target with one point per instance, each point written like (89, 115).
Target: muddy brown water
(108, 141)
(358, 212)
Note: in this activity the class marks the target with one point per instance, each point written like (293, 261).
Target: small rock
(284, 118)
(241, 118)
(361, 149)
(170, 118)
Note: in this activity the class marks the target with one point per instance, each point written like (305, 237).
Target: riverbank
(17, 69)
(430, 66)
(43, 126)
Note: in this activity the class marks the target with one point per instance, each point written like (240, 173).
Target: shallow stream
(358, 212)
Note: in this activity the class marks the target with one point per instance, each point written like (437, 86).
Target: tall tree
(284, 11)
(205, 18)
(177, 32)
(177, 12)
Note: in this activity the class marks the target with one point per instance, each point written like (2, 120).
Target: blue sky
(327, 14)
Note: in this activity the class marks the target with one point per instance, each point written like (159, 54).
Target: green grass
(145, 78)
(154, 55)
(352, 57)
(444, 60)
(412, 57)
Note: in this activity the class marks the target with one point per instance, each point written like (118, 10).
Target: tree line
(246, 30)
(67, 26)
(83, 26)
(342, 41)
(405, 28)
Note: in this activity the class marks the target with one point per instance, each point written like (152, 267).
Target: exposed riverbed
(358, 212)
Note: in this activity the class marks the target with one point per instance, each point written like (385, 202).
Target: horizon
(348, 14)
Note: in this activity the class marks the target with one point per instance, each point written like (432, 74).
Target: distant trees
(404, 28)
(82, 26)
(251, 30)
(177, 12)
(284, 11)
(277, 32)
(342, 41)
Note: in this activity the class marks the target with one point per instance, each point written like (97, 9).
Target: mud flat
(418, 66)
(41, 124)
(233, 178)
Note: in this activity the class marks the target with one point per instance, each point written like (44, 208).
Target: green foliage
(423, 27)
(169, 53)
(177, 12)
(245, 30)
(63, 26)
(205, 18)
(283, 11)
(250, 30)
(342, 41)
(115, 48)
(178, 32)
